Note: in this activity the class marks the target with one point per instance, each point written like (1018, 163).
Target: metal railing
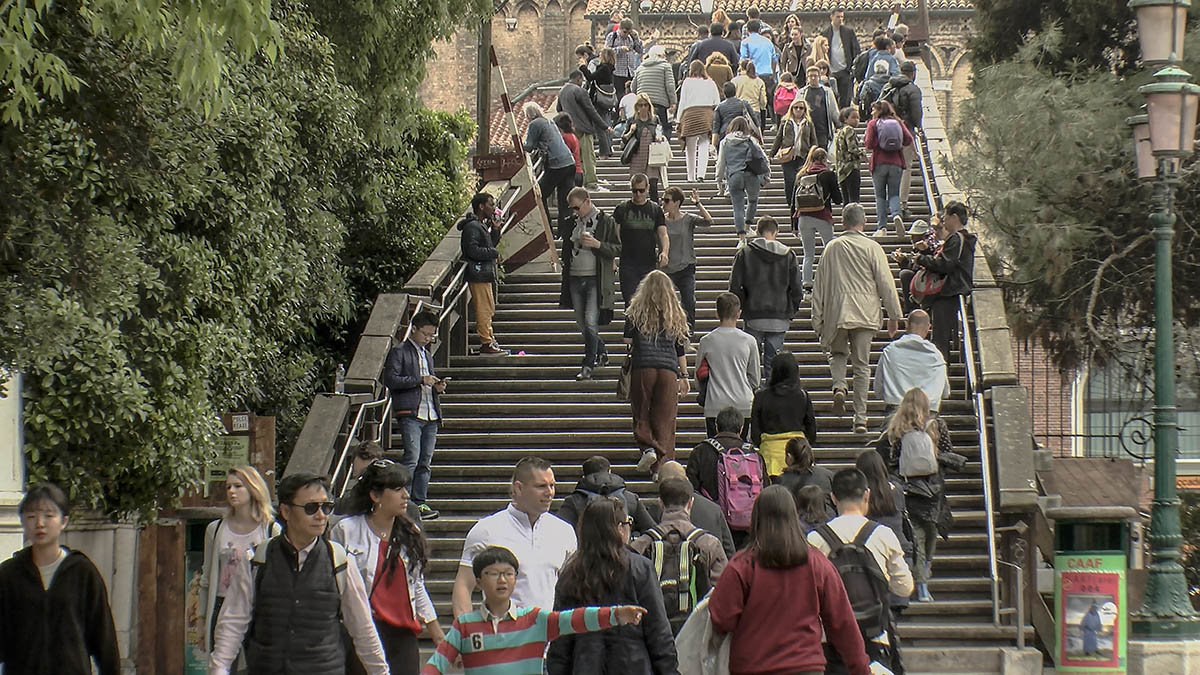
(339, 479)
(975, 395)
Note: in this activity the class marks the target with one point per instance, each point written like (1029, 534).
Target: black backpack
(865, 583)
(682, 574)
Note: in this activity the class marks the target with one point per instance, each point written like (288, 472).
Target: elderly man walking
(852, 280)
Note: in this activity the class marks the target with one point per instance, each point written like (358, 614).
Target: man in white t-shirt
(540, 541)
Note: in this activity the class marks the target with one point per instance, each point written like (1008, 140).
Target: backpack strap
(337, 556)
(656, 549)
(835, 542)
(864, 533)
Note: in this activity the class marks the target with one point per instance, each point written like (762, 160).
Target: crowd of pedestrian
(611, 580)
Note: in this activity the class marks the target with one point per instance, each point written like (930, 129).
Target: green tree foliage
(160, 265)
(1048, 163)
(1095, 33)
(201, 39)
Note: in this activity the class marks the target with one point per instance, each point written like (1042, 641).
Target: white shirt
(837, 56)
(234, 619)
(47, 571)
(541, 549)
(883, 544)
(425, 410)
(362, 547)
(912, 362)
(627, 102)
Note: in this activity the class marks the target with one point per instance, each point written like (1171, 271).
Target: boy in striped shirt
(502, 639)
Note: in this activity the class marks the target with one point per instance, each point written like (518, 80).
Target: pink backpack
(739, 480)
(783, 99)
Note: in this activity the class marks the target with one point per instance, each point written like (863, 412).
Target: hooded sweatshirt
(735, 153)
(602, 484)
(911, 361)
(55, 630)
(869, 92)
(767, 280)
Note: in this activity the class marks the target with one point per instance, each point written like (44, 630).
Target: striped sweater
(516, 644)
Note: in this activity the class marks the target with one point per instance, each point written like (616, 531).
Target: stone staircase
(499, 409)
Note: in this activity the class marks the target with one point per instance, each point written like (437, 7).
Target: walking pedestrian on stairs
(734, 368)
(782, 410)
(479, 239)
(599, 481)
(658, 377)
(766, 279)
(816, 191)
(803, 471)
(698, 99)
(857, 540)
(644, 128)
(590, 244)
(558, 167)
(645, 244)
(852, 279)
(540, 541)
(886, 138)
(772, 636)
(706, 513)
(605, 572)
(681, 237)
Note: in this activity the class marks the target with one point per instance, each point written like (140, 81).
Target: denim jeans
(685, 281)
(809, 228)
(585, 298)
(744, 185)
(769, 344)
(420, 437)
(886, 181)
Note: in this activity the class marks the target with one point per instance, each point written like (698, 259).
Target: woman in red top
(886, 163)
(567, 127)
(777, 638)
(391, 553)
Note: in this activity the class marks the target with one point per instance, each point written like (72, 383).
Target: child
(567, 128)
(499, 637)
(785, 93)
(848, 155)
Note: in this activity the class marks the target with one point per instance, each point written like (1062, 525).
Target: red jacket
(879, 156)
(776, 617)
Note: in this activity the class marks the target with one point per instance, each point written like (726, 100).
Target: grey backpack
(917, 456)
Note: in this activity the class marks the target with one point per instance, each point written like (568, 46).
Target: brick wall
(541, 48)
(1050, 401)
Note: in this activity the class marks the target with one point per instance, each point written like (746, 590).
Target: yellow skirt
(773, 450)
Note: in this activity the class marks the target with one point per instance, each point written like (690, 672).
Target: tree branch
(1089, 315)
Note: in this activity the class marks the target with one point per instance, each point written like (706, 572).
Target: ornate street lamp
(1169, 129)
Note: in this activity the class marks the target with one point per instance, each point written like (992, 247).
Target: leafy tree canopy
(160, 264)
(1047, 160)
(1095, 33)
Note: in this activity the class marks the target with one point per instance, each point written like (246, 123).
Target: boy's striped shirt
(516, 643)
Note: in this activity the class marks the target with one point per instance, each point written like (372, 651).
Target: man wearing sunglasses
(590, 246)
(288, 604)
(644, 240)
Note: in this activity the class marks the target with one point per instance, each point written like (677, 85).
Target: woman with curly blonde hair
(658, 375)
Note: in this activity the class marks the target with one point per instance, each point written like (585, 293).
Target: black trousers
(400, 647)
(943, 311)
(852, 187)
(845, 85)
(560, 180)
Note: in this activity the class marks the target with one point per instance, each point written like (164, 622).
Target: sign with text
(1091, 616)
(231, 451)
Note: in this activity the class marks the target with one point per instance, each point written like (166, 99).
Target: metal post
(483, 89)
(1166, 611)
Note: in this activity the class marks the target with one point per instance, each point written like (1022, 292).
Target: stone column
(12, 465)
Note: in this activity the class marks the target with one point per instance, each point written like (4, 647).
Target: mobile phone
(445, 379)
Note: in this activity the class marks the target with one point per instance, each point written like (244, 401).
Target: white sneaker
(599, 188)
(881, 233)
(648, 459)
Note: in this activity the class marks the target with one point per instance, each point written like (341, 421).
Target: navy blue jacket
(478, 245)
(402, 377)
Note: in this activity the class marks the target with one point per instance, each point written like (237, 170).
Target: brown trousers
(654, 397)
(484, 304)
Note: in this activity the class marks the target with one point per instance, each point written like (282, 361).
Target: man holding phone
(591, 242)
(416, 402)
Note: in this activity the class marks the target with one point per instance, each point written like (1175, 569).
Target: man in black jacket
(715, 42)
(843, 49)
(766, 278)
(480, 236)
(905, 96)
(599, 481)
(416, 401)
(956, 262)
(574, 101)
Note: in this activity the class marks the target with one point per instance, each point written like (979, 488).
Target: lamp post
(1168, 129)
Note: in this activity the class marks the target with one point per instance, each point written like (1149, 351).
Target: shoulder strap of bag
(864, 533)
(835, 542)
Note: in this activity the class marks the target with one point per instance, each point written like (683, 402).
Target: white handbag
(660, 153)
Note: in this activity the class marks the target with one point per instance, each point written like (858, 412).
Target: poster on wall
(195, 649)
(1091, 612)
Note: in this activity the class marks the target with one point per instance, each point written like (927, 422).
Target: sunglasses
(638, 191)
(310, 509)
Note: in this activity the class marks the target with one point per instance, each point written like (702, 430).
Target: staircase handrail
(974, 391)
(341, 468)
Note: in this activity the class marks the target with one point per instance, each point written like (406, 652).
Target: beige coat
(852, 280)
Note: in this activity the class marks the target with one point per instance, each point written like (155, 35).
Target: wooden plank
(146, 639)
(171, 598)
